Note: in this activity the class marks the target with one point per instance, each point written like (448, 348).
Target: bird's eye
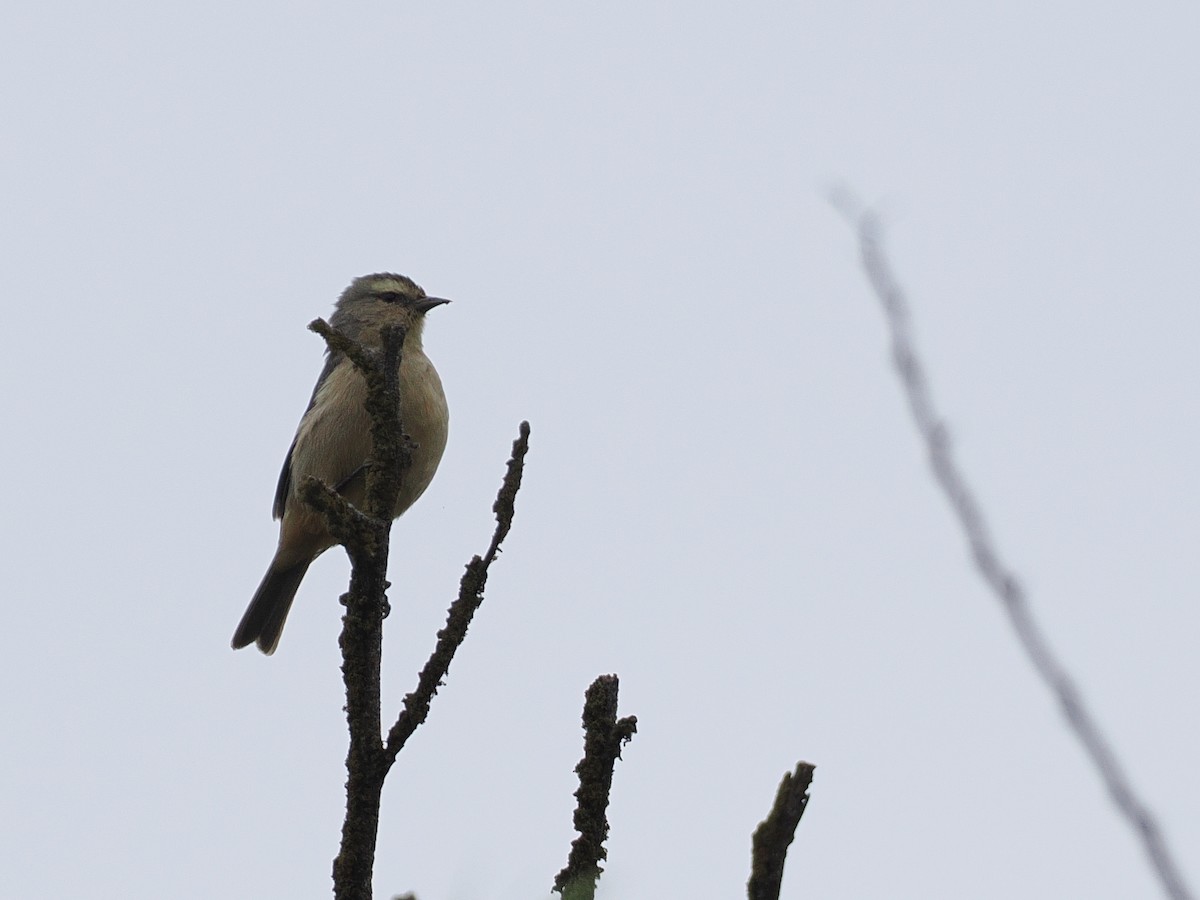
(390, 296)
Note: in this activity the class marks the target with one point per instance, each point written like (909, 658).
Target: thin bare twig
(462, 610)
(604, 735)
(995, 573)
(775, 833)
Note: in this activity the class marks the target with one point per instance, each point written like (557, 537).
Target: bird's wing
(285, 475)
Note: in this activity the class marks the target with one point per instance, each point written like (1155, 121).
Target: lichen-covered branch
(391, 448)
(366, 540)
(604, 735)
(365, 535)
(351, 527)
(462, 610)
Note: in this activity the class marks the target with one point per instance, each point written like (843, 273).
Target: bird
(333, 441)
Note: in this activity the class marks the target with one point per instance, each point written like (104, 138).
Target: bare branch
(361, 640)
(350, 526)
(362, 357)
(604, 735)
(1002, 581)
(775, 833)
(391, 448)
(365, 536)
(462, 610)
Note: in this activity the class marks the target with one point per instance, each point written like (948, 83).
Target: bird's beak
(425, 304)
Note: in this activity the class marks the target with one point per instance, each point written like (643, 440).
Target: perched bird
(333, 441)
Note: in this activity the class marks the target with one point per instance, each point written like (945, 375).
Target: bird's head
(384, 298)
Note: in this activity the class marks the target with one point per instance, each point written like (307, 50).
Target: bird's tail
(264, 618)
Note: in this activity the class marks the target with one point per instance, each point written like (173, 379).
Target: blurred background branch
(998, 576)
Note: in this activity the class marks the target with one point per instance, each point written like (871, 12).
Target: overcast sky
(724, 503)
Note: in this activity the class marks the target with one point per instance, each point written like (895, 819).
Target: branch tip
(776, 832)
(604, 736)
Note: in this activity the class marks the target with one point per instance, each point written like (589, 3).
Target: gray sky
(725, 503)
